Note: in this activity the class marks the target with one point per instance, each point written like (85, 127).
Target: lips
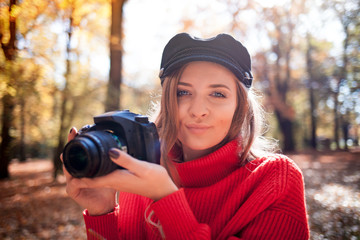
(197, 128)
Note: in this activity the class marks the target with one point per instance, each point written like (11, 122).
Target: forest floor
(33, 206)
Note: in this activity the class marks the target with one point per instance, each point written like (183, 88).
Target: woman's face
(206, 101)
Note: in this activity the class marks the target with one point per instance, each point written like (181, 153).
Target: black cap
(222, 49)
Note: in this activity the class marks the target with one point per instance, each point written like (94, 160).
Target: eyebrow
(211, 86)
(219, 86)
(185, 84)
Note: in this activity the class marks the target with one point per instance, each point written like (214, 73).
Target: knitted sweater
(218, 200)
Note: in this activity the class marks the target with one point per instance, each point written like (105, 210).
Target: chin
(196, 146)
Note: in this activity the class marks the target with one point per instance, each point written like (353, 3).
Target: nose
(198, 108)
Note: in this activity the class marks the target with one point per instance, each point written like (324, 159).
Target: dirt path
(332, 185)
(32, 206)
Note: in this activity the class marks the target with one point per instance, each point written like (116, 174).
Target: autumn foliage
(64, 61)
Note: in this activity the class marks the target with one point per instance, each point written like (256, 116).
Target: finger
(66, 173)
(68, 176)
(74, 183)
(126, 161)
(72, 134)
(118, 179)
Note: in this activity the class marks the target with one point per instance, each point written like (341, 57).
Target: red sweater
(219, 200)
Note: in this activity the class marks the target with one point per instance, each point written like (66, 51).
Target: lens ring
(87, 154)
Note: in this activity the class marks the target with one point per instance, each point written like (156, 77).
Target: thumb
(126, 161)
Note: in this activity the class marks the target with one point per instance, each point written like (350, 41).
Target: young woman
(217, 178)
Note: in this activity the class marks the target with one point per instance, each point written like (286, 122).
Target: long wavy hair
(248, 124)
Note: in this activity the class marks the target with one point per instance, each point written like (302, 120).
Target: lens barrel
(87, 154)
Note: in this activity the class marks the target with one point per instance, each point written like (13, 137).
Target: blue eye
(218, 94)
(182, 93)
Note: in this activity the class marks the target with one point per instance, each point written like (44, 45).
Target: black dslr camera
(87, 154)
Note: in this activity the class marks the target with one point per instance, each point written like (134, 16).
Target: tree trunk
(336, 117)
(22, 152)
(112, 101)
(286, 127)
(342, 78)
(313, 142)
(345, 129)
(7, 120)
(65, 94)
(309, 65)
(8, 100)
(279, 85)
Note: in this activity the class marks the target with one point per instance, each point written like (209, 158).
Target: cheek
(228, 112)
(227, 118)
(225, 125)
(181, 112)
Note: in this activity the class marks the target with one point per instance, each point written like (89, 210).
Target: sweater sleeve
(102, 227)
(177, 219)
(286, 218)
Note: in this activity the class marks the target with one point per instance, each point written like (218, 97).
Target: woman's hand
(139, 177)
(97, 201)
(97, 195)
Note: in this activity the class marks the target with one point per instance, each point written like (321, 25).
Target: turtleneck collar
(209, 169)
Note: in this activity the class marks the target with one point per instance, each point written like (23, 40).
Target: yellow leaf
(15, 11)
(11, 91)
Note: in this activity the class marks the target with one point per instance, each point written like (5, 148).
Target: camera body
(87, 154)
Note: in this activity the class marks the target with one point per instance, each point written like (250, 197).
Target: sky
(148, 25)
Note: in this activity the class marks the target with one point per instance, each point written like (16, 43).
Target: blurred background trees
(64, 61)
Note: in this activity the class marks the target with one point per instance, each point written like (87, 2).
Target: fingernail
(113, 153)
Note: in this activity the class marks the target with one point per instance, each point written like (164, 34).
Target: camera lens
(78, 158)
(87, 154)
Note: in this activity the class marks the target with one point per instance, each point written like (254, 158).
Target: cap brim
(215, 59)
